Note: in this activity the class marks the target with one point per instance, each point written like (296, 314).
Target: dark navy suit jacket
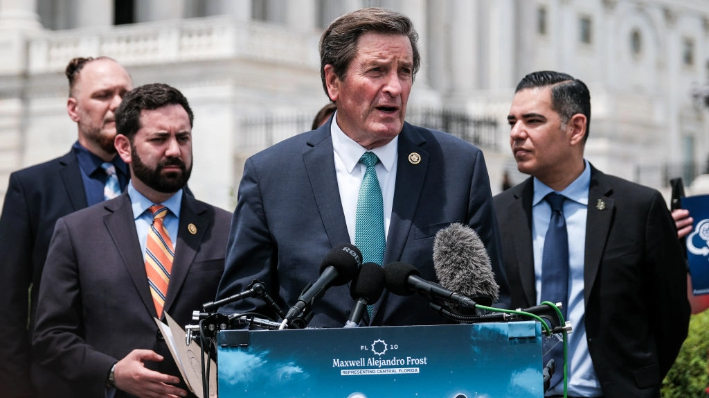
(289, 216)
(36, 197)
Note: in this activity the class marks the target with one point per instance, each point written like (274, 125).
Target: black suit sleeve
(16, 242)
(59, 337)
(669, 308)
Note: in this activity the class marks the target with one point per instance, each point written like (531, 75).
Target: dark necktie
(555, 272)
(111, 188)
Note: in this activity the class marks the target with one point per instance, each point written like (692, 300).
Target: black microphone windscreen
(346, 259)
(369, 283)
(462, 264)
(396, 276)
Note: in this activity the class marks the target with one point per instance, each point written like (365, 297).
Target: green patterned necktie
(369, 223)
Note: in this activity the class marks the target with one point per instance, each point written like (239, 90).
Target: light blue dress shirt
(143, 218)
(582, 376)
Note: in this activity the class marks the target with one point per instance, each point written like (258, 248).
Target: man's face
(539, 140)
(161, 151)
(371, 100)
(98, 91)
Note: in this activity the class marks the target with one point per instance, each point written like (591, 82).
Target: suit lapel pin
(414, 158)
(192, 228)
(601, 204)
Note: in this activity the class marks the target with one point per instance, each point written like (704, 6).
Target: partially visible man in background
(37, 196)
(323, 115)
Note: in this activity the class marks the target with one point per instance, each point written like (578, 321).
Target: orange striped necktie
(158, 257)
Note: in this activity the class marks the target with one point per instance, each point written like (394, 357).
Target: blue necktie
(369, 222)
(111, 188)
(555, 272)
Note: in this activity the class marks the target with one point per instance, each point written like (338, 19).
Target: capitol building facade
(250, 69)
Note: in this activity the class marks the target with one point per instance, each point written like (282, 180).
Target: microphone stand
(256, 289)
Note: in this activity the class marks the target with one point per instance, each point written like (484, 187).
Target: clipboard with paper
(187, 357)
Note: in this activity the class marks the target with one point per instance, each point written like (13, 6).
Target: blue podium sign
(457, 361)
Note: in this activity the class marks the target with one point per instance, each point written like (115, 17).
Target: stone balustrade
(175, 41)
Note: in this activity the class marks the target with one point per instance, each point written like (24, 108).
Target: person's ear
(122, 144)
(576, 127)
(71, 105)
(332, 82)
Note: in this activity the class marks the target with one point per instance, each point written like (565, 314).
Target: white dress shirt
(350, 173)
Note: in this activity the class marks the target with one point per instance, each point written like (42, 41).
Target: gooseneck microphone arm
(403, 279)
(255, 289)
(435, 292)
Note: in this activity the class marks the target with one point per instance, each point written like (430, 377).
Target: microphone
(462, 264)
(337, 268)
(366, 289)
(403, 279)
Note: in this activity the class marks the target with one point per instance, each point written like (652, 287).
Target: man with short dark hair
(37, 196)
(604, 247)
(365, 178)
(115, 266)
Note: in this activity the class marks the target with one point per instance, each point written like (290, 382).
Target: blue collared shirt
(143, 218)
(582, 376)
(94, 177)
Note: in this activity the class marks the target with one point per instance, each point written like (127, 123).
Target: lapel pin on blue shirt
(414, 158)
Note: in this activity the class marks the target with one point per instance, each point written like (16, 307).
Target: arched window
(688, 51)
(542, 20)
(636, 42)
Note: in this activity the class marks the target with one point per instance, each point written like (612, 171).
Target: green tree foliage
(688, 377)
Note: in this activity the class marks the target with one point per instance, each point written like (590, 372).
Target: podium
(457, 361)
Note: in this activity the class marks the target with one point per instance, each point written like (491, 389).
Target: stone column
(18, 19)
(673, 69)
(567, 36)
(464, 47)
(90, 13)
(416, 11)
(501, 44)
(159, 10)
(301, 14)
(240, 10)
(350, 5)
(19, 15)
